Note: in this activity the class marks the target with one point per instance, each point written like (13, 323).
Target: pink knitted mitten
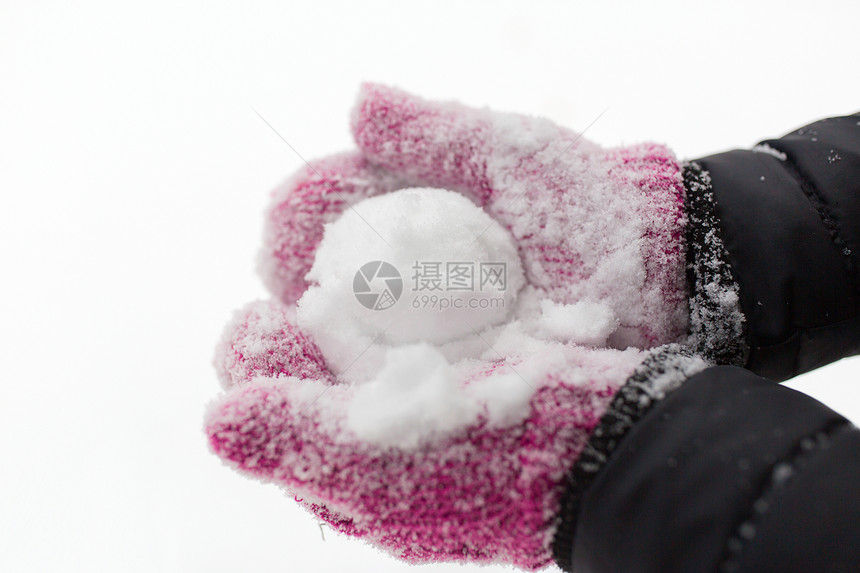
(590, 224)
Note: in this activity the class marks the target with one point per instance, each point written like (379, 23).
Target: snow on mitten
(485, 486)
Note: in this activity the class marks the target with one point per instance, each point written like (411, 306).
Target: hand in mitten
(484, 486)
(440, 458)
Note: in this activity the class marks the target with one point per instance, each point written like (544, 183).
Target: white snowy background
(133, 177)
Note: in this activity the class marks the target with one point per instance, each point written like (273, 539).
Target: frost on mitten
(486, 488)
(453, 447)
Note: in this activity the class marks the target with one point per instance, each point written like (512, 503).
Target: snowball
(411, 266)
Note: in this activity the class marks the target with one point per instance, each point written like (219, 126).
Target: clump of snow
(418, 395)
(584, 322)
(414, 396)
(765, 148)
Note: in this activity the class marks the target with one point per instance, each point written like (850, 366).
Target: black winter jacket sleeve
(788, 213)
(732, 472)
(729, 473)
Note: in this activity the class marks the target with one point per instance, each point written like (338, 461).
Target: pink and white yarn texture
(602, 225)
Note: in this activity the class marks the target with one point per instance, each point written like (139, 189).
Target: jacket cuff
(788, 212)
(663, 371)
(718, 326)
